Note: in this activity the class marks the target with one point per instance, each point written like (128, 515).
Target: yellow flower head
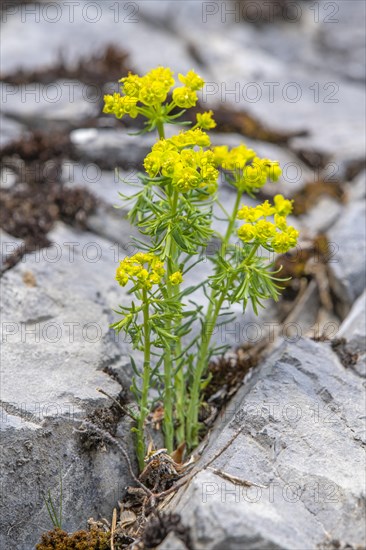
(168, 160)
(283, 206)
(192, 81)
(162, 75)
(184, 97)
(176, 278)
(247, 233)
(183, 159)
(273, 169)
(220, 154)
(282, 242)
(144, 270)
(278, 235)
(190, 138)
(152, 163)
(264, 231)
(265, 210)
(131, 85)
(205, 120)
(234, 159)
(120, 105)
(249, 214)
(185, 178)
(152, 93)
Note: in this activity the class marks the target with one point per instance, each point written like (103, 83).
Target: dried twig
(113, 527)
(123, 409)
(236, 480)
(220, 451)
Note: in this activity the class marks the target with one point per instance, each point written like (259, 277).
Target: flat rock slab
(296, 435)
(56, 344)
(353, 329)
(64, 101)
(110, 148)
(347, 269)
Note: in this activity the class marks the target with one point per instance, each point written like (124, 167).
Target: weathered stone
(356, 189)
(295, 436)
(347, 268)
(353, 329)
(9, 245)
(65, 102)
(341, 38)
(57, 350)
(123, 25)
(322, 216)
(111, 148)
(171, 542)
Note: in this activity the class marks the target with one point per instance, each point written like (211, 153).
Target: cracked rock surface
(295, 436)
(55, 346)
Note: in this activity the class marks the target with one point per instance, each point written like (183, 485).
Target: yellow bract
(145, 270)
(120, 105)
(151, 90)
(192, 80)
(278, 235)
(176, 278)
(188, 168)
(184, 97)
(205, 120)
(250, 172)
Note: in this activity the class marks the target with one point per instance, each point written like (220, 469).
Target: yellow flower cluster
(278, 235)
(250, 171)
(186, 96)
(176, 278)
(188, 169)
(120, 105)
(152, 89)
(145, 270)
(205, 120)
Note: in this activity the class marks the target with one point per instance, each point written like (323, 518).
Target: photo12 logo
(274, 492)
(256, 11)
(71, 12)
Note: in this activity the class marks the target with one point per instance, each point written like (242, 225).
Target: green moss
(81, 540)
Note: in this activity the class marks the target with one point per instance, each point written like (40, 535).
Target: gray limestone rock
(64, 101)
(346, 265)
(111, 148)
(353, 329)
(57, 350)
(295, 437)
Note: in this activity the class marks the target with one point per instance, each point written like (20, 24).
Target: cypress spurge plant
(173, 210)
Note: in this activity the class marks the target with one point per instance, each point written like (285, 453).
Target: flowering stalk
(143, 410)
(173, 209)
(216, 300)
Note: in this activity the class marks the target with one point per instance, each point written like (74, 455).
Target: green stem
(168, 422)
(144, 411)
(170, 351)
(232, 220)
(213, 310)
(173, 292)
(160, 129)
(202, 362)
